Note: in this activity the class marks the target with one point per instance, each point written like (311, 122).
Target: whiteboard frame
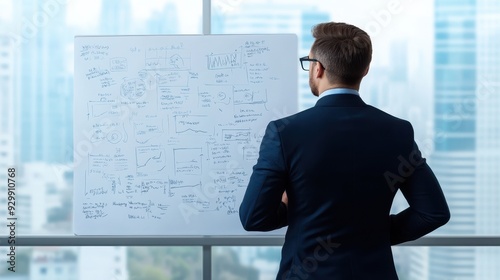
(292, 105)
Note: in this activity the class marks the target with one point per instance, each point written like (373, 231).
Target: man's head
(344, 53)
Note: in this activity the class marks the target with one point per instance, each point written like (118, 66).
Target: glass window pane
(36, 77)
(249, 263)
(435, 63)
(412, 263)
(102, 263)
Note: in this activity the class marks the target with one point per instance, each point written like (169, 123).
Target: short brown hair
(344, 50)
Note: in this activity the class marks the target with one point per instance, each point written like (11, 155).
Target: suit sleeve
(427, 209)
(261, 208)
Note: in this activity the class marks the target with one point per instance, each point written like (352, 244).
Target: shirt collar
(338, 91)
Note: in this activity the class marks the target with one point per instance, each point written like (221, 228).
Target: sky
(6, 10)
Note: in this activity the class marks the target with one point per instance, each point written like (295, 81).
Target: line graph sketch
(248, 95)
(192, 124)
(224, 61)
(150, 158)
(148, 129)
(188, 161)
(98, 109)
(236, 135)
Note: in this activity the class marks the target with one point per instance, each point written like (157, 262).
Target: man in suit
(330, 173)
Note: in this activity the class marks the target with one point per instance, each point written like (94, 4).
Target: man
(331, 172)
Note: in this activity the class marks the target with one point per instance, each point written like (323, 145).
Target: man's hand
(284, 198)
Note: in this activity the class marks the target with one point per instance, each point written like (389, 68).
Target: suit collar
(340, 100)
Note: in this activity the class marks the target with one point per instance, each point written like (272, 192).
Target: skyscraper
(82, 263)
(45, 96)
(455, 131)
(6, 121)
(488, 135)
(115, 17)
(7, 71)
(488, 117)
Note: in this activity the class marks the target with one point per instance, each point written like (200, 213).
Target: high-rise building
(488, 132)
(41, 190)
(264, 17)
(102, 263)
(417, 264)
(7, 97)
(82, 263)
(7, 139)
(53, 263)
(116, 17)
(488, 117)
(455, 131)
(44, 96)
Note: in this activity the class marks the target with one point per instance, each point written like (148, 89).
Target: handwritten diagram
(188, 161)
(148, 129)
(167, 128)
(224, 61)
(197, 124)
(150, 158)
(163, 59)
(133, 88)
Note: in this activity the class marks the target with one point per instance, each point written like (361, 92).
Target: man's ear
(319, 71)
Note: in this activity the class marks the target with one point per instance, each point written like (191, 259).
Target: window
(430, 58)
(425, 59)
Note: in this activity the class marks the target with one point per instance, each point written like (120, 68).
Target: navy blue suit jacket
(341, 164)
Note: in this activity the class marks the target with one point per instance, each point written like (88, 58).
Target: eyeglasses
(306, 66)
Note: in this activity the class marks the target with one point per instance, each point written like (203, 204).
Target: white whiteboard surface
(168, 128)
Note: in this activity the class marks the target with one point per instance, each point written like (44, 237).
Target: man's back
(331, 172)
(339, 162)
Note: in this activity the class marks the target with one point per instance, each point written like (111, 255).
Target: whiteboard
(168, 128)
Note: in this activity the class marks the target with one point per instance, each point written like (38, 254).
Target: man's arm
(428, 208)
(262, 208)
